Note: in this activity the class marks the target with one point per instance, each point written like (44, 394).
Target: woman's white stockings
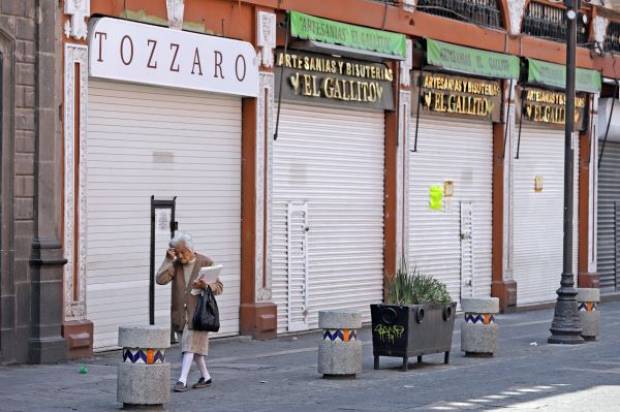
(186, 365)
(201, 361)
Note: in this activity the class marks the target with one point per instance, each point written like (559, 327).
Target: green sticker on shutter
(435, 197)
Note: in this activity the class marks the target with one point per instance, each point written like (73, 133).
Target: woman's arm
(165, 274)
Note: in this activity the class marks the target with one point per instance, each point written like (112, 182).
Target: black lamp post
(566, 326)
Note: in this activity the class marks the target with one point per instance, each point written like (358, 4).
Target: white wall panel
(609, 217)
(459, 150)
(538, 216)
(145, 141)
(333, 160)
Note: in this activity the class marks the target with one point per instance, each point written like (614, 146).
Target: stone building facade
(31, 255)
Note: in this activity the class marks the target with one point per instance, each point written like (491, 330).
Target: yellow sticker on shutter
(436, 197)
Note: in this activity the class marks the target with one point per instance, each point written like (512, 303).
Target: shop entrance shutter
(538, 218)
(458, 151)
(609, 218)
(332, 160)
(145, 141)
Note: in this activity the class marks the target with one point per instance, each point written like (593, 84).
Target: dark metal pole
(152, 266)
(566, 326)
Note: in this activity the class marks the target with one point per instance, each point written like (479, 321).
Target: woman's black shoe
(202, 383)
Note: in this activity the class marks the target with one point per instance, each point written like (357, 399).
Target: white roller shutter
(538, 216)
(145, 141)
(330, 161)
(609, 217)
(461, 151)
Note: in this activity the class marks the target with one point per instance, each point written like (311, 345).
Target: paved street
(526, 375)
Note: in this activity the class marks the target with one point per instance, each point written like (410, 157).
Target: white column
(516, 9)
(512, 130)
(593, 189)
(78, 11)
(76, 64)
(402, 244)
(402, 156)
(265, 109)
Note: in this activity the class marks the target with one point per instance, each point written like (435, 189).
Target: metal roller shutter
(609, 217)
(328, 177)
(145, 141)
(453, 244)
(538, 216)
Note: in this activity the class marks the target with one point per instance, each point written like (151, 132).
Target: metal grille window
(483, 12)
(612, 37)
(542, 20)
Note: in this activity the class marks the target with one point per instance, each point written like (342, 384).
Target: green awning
(554, 75)
(313, 28)
(471, 61)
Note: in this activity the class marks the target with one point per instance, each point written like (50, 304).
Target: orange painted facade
(237, 19)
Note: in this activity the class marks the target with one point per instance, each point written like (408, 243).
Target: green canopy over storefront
(554, 75)
(471, 61)
(308, 27)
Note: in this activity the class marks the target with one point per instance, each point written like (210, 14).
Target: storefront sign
(457, 95)
(545, 106)
(141, 53)
(317, 78)
(554, 75)
(308, 27)
(472, 61)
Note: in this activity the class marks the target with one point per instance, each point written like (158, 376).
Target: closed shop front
(327, 216)
(158, 127)
(608, 262)
(538, 233)
(538, 176)
(450, 168)
(327, 221)
(608, 208)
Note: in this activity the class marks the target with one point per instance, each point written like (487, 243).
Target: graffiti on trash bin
(389, 333)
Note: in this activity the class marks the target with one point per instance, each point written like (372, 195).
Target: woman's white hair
(182, 238)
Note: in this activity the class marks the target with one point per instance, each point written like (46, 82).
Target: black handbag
(206, 314)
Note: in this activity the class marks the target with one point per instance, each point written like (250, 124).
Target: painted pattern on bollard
(340, 352)
(143, 374)
(479, 330)
(588, 301)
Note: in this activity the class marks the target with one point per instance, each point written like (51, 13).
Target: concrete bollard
(340, 352)
(588, 301)
(479, 331)
(143, 374)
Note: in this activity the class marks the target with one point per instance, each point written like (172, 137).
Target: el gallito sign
(141, 53)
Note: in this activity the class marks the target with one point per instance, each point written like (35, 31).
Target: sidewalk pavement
(526, 374)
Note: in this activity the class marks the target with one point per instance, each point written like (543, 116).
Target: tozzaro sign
(142, 53)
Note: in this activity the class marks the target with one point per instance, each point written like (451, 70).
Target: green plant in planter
(415, 288)
(417, 318)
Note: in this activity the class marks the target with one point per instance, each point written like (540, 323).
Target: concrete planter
(588, 301)
(414, 330)
(340, 352)
(479, 331)
(143, 374)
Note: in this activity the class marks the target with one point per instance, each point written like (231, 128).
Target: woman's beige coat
(183, 302)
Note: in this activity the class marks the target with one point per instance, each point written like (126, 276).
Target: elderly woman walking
(181, 267)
